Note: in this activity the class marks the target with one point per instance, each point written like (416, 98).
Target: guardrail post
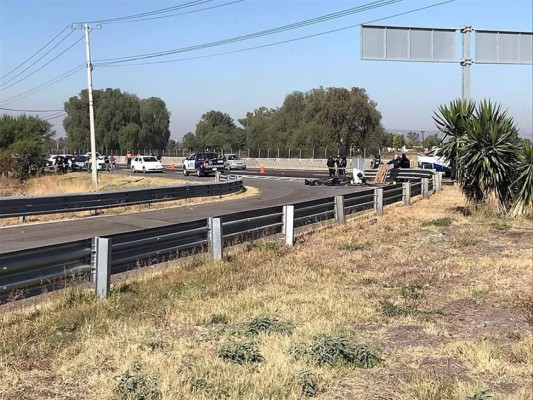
(438, 182)
(217, 176)
(425, 188)
(22, 219)
(288, 224)
(378, 201)
(406, 193)
(215, 237)
(102, 267)
(339, 209)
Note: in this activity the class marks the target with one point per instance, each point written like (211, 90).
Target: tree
(398, 141)
(431, 141)
(452, 121)
(155, 122)
(217, 129)
(413, 138)
(523, 184)
(189, 141)
(22, 141)
(115, 110)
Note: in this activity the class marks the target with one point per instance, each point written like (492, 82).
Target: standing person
(342, 165)
(331, 166)
(113, 162)
(106, 162)
(128, 158)
(405, 162)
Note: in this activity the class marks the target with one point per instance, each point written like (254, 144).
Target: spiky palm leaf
(523, 185)
(488, 155)
(452, 120)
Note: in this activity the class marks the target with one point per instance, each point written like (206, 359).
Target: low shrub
(240, 352)
(268, 324)
(335, 350)
(483, 395)
(308, 383)
(136, 385)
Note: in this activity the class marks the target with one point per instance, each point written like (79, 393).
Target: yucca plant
(488, 155)
(523, 185)
(452, 121)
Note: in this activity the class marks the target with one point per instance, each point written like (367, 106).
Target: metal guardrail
(29, 272)
(36, 205)
(402, 173)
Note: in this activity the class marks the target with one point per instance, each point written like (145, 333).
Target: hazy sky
(406, 93)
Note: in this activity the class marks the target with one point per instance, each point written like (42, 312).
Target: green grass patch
(446, 221)
(134, 384)
(354, 247)
(240, 352)
(267, 324)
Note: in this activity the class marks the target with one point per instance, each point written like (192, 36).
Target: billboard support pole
(466, 61)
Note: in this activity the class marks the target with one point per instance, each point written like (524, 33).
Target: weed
(354, 247)
(526, 306)
(446, 221)
(268, 324)
(135, 385)
(264, 246)
(198, 384)
(500, 226)
(483, 395)
(218, 319)
(479, 294)
(335, 350)
(412, 291)
(308, 383)
(240, 352)
(389, 309)
(75, 296)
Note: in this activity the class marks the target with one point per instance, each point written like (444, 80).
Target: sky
(406, 93)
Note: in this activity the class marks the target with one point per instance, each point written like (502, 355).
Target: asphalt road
(273, 191)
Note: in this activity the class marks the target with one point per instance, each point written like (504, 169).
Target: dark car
(79, 163)
(203, 163)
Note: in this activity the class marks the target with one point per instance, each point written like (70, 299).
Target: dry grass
(81, 183)
(163, 331)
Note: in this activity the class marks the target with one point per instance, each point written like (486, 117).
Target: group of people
(336, 166)
(400, 162)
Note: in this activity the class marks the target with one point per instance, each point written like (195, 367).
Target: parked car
(203, 163)
(146, 164)
(58, 163)
(100, 162)
(232, 161)
(79, 163)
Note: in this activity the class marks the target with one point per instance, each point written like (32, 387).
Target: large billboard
(390, 43)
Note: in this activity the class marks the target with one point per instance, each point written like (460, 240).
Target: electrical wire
(42, 86)
(36, 61)
(13, 109)
(34, 54)
(41, 67)
(327, 17)
(148, 13)
(62, 114)
(174, 15)
(275, 43)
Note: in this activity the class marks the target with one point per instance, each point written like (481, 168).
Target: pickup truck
(202, 163)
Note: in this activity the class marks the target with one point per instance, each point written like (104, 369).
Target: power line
(148, 13)
(38, 69)
(62, 114)
(312, 21)
(276, 43)
(18, 110)
(42, 86)
(36, 61)
(174, 15)
(34, 54)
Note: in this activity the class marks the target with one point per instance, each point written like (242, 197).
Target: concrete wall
(272, 163)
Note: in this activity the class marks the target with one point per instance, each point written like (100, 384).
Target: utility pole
(94, 165)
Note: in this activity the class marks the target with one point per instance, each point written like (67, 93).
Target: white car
(146, 164)
(234, 162)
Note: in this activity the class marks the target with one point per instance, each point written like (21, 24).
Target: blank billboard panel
(408, 44)
(495, 47)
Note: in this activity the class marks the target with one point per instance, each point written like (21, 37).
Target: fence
(28, 272)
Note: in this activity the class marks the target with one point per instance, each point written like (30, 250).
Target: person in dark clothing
(331, 166)
(376, 161)
(342, 166)
(405, 162)
(395, 162)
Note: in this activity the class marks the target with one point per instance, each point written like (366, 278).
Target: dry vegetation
(437, 302)
(81, 183)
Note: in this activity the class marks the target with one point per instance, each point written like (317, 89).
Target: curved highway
(273, 191)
